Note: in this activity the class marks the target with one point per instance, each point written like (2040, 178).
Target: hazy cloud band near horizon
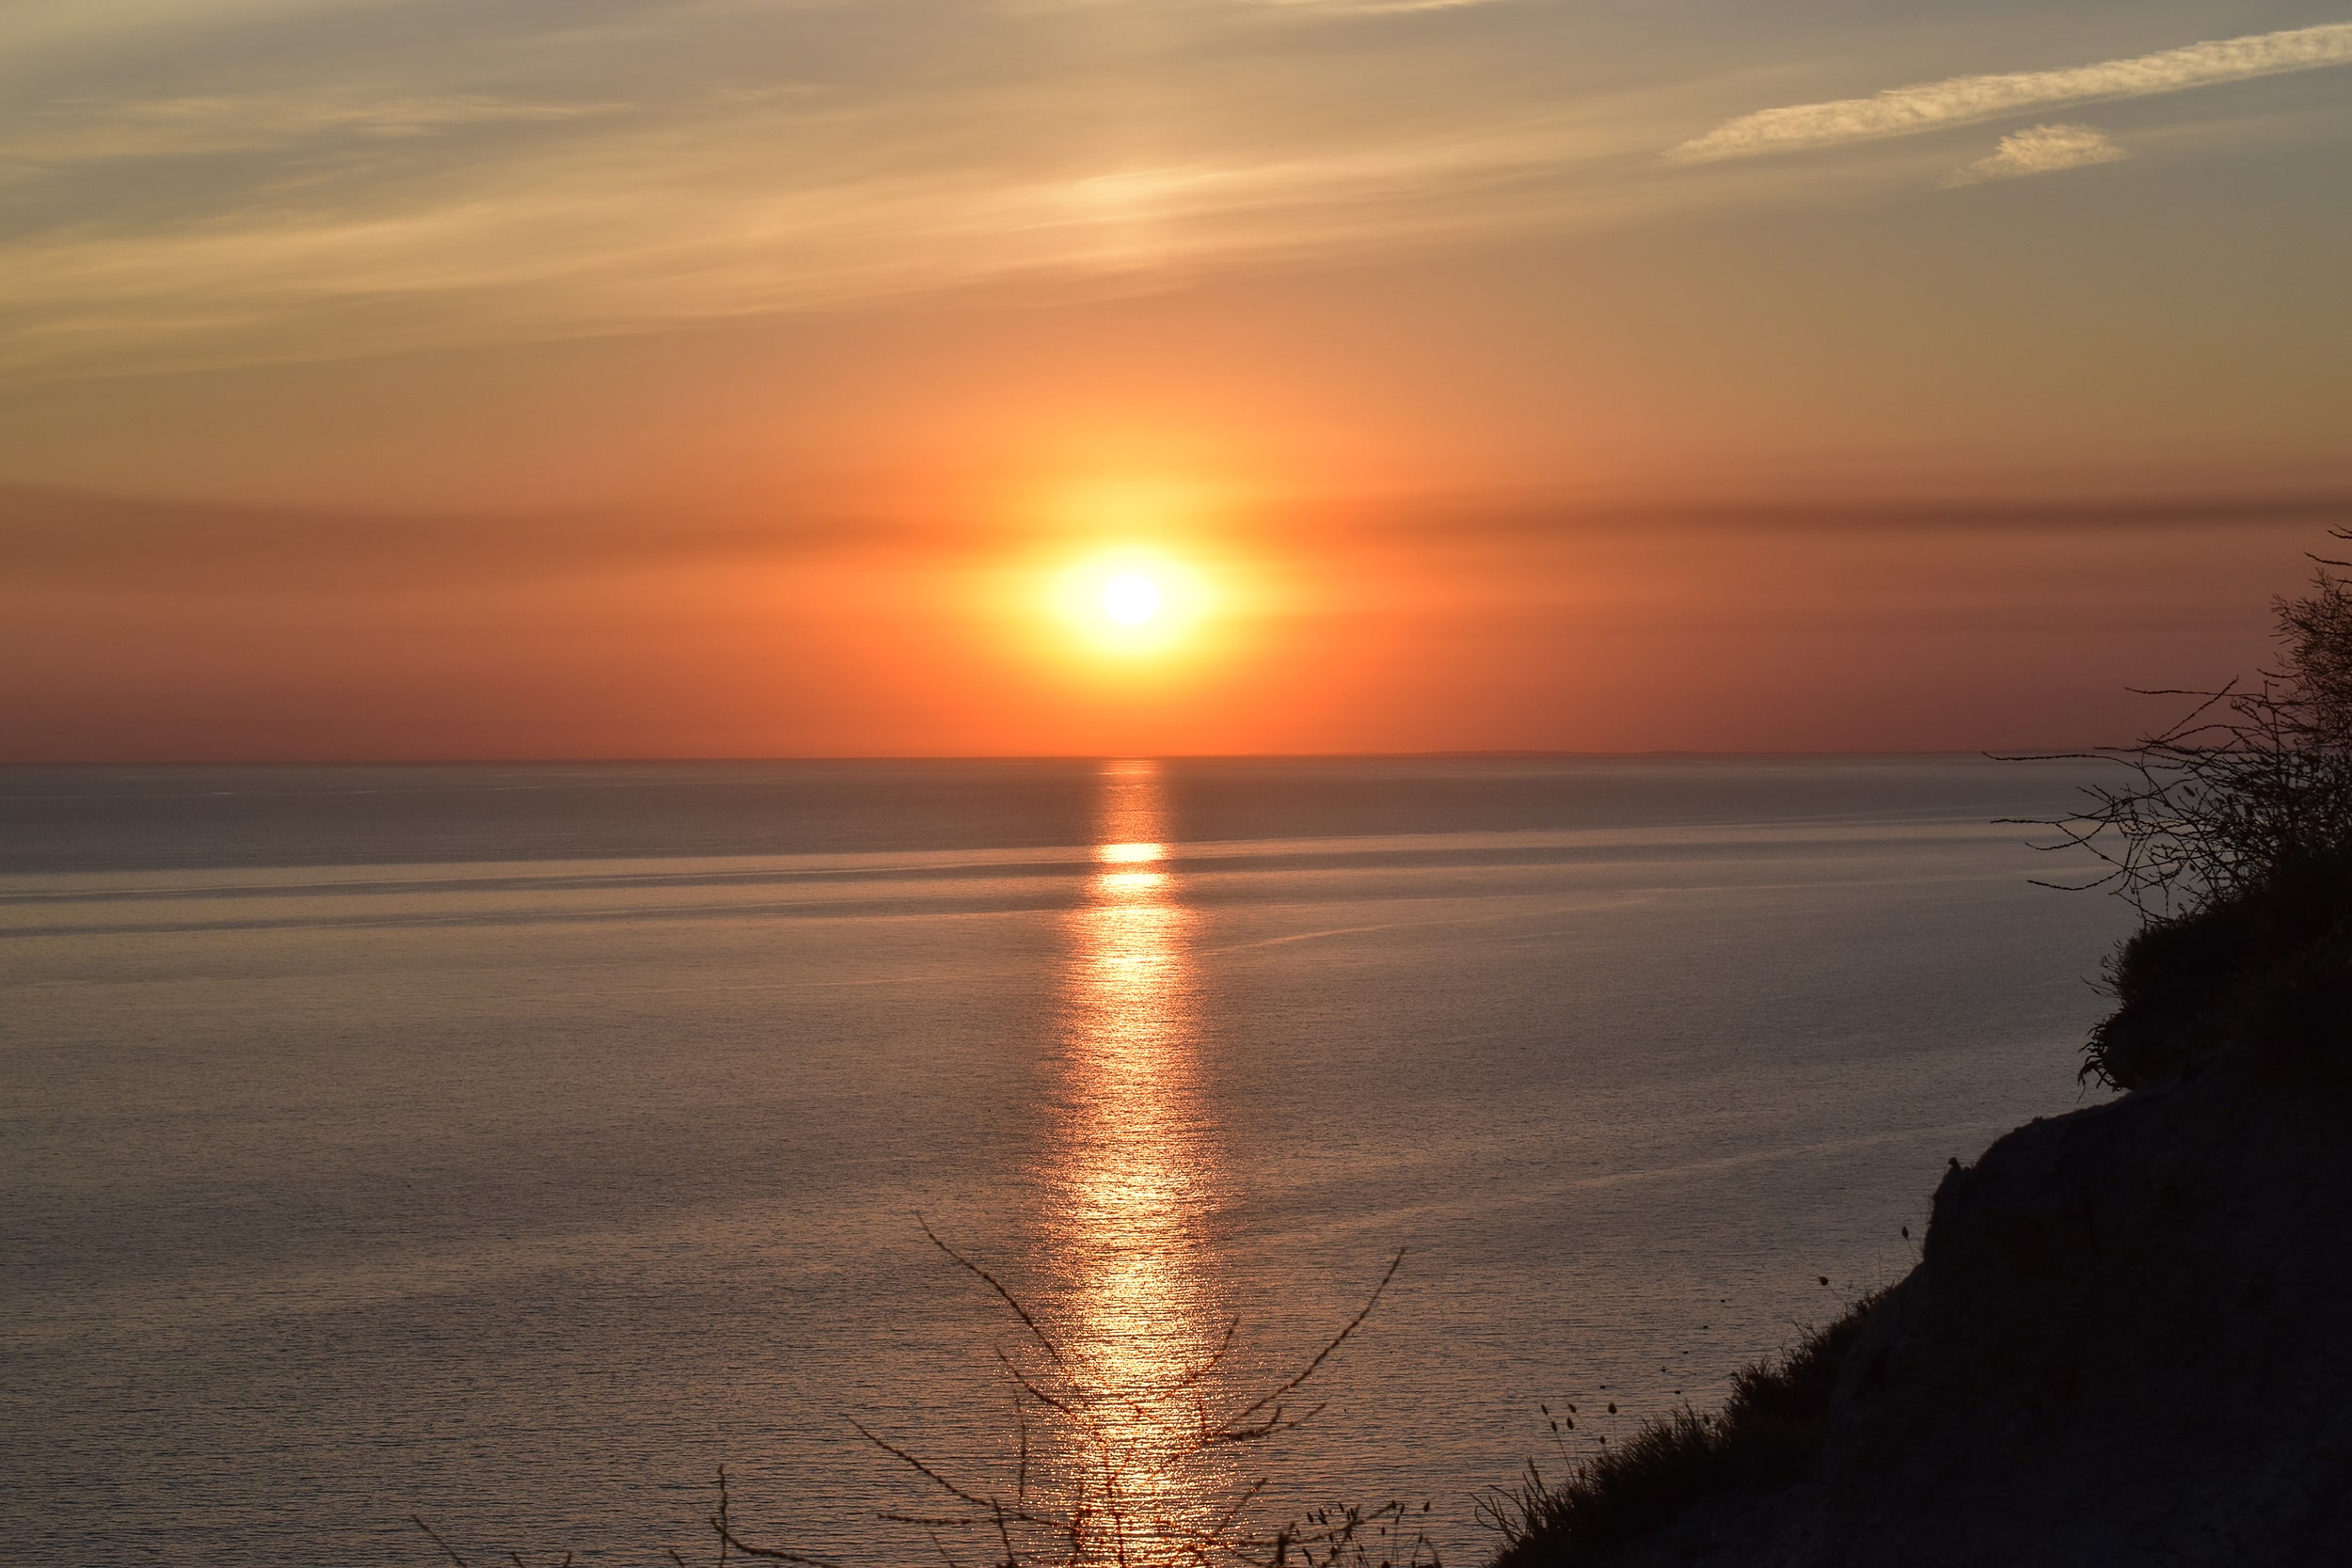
(1968, 100)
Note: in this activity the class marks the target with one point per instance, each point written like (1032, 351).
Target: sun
(1134, 602)
(1130, 599)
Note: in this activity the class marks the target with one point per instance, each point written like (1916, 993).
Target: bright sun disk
(1133, 604)
(1131, 598)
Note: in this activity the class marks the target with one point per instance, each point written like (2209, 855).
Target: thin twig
(723, 1523)
(984, 1504)
(418, 1520)
(1325, 1354)
(1052, 1351)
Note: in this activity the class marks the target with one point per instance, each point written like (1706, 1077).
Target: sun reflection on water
(1133, 1177)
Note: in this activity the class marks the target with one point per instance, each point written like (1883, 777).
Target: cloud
(101, 543)
(629, 222)
(1967, 100)
(107, 542)
(2040, 150)
(185, 127)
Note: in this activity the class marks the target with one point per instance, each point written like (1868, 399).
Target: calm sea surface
(515, 1145)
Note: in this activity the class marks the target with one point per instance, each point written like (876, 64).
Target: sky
(412, 379)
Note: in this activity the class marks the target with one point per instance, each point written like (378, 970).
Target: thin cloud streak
(117, 543)
(74, 133)
(1967, 100)
(2040, 150)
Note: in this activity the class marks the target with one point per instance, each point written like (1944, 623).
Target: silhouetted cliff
(2128, 1339)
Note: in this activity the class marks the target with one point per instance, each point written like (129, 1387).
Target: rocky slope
(2129, 1340)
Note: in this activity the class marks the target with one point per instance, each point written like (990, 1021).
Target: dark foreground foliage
(2268, 967)
(2230, 833)
(1767, 1437)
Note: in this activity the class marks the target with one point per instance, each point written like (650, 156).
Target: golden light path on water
(1134, 1177)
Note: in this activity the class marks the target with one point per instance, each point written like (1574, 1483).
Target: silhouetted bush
(2263, 967)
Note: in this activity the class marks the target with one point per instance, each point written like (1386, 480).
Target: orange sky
(1353, 626)
(1508, 377)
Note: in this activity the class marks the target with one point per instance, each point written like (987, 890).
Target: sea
(414, 1162)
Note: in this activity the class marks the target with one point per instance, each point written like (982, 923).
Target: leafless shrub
(1109, 1475)
(1130, 1488)
(2256, 777)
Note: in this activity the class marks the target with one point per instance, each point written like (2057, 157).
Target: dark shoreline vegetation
(2125, 1339)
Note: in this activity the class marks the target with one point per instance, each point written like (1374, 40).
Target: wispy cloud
(1967, 100)
(633, 221)
(77, 132)
(2040, 150)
